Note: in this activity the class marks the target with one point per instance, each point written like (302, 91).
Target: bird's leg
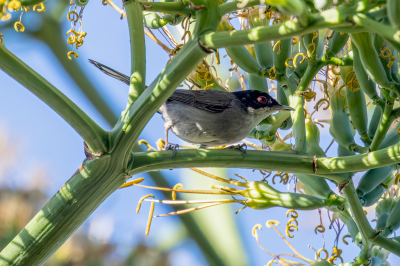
(168, 146)
(240, 147)
(167, 128)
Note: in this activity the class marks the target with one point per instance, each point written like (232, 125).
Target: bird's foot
(173, 147)
(240, 147)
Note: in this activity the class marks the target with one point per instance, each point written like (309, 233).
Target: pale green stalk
(138, 50)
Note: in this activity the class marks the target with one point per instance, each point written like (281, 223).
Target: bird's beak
(283, 108)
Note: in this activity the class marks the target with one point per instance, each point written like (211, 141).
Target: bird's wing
(211, 101)
(111, 72)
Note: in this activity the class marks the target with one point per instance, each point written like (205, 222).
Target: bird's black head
(259, 100)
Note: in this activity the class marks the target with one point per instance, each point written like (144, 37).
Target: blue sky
(46, 141)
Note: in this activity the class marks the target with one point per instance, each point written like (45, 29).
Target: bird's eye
(262, 99)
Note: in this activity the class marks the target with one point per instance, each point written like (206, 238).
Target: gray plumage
(209, 117)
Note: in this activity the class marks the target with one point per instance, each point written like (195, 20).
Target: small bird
(209, 117)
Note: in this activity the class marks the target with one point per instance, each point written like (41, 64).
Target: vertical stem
(138, 49)
(367, 232)
(296, 101)
(384, 125)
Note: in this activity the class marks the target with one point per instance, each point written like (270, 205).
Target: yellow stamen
(179, 202)
(315, 36)
(288, 234)
(320, 102)
(160, 144)
(313, 51)
(140, 202)
(40, 7)
(344, 239)
(320, 228)
(208, 86)
(295, 59)
(179, 185)
(293, 220)
(14, 5)
(272, 73)
(6, 16)
(19, 27)
(149, 147)
(287, 61)
(72, 53)
(189, 210)
(292, 213)
(295, 40)
(131, 183)
(390, 64)
(213, 192)
(326, 254)
(276, 21)
(74, 17)
(270, 223)
(150, 218)
(280, 47)
(385, 49)
(340, 88)
(334, 72)
(254, 231)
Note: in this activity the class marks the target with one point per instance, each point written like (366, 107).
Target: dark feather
(198, 99)
(111, 72)
(202, 100)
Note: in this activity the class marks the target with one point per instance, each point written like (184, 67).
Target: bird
(210, 118)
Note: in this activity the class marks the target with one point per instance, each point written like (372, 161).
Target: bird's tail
(111, 72)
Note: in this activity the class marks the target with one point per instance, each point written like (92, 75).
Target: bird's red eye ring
(262, 99)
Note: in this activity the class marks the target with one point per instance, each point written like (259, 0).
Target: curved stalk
(337, 17)
(138, 50)
(177, 7)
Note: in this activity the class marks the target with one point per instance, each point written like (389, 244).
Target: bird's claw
(173, 147)
(240, 147)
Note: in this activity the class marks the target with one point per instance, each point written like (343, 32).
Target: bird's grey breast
(214, 119)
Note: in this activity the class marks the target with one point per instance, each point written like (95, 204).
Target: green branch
(93, 134)
(290, 162)
(232, 6)
(167, 7)
(281, 31)
(64, 213)
(386, 31)
(138, 50)
(369, 234)
(384, 124)
(130, 126)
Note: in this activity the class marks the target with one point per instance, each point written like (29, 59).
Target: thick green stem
(167, 7)
(383, 127)
(297, 100)
(93, 134)
(130, 126)
(138, 50)
(386, 31)
(364, 226)
(64, 213)
(233, 6)
(290, 162)
(279, 31)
